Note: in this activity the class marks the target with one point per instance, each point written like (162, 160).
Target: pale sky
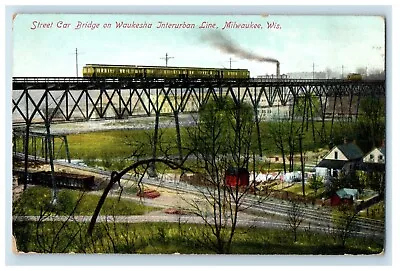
(327, 41)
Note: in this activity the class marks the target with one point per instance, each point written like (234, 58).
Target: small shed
(239, 177)
(344, 196)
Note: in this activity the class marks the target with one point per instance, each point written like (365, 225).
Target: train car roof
(169, 67)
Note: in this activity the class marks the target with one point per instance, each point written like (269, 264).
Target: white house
(377, 156)
(342, 157)
(375, 160)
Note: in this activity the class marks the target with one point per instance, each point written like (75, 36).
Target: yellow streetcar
(158, 72)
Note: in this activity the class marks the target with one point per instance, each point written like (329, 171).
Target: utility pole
(230, 62)
(76, 61)
(342, 72)
(313, 70)
(166, 59)
(302, 163)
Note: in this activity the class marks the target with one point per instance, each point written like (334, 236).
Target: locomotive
(159, 72)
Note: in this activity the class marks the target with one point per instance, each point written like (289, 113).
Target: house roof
(347, 193)
(335, 164)
(351, 151)
(382, 150)
(236, 171)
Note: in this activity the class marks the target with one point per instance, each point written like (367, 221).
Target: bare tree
(343, 219)
(222, 145)
(279, 133)
(295, 216)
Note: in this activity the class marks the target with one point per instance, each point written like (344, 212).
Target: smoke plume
(225, 44)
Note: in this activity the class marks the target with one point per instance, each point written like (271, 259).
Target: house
(376, 156)
(345, 157)
(344, 196)
(375, 160)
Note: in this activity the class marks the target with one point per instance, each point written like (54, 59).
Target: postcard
(199, 134)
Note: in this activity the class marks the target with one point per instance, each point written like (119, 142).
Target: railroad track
(316, 217)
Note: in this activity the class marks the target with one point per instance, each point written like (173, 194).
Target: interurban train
(160, 72)
(133, 71)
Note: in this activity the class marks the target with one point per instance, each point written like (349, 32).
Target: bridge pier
(26, 151)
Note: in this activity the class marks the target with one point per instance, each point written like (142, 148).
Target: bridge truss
(38, 101)
(49, 100)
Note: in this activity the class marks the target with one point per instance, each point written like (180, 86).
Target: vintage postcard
(198, 134)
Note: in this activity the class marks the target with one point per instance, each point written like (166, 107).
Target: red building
(344, 196)
(239, 177)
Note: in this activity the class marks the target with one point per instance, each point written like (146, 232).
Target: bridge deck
(61, 83)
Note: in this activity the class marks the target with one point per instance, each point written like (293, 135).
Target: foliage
(36, 199)
(370, 129)
(297, 188)
(315, 183)
(155, 238)
(373, 180)
(345, 180)
(223, 117)
(308, 104)
(376, 211)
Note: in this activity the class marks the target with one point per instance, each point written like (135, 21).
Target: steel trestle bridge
(59, 99)
(48, 100)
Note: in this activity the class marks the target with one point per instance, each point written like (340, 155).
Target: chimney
(347, 140)
(278, 70)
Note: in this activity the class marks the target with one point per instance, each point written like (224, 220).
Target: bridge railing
(40, 80)
(49, 79)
